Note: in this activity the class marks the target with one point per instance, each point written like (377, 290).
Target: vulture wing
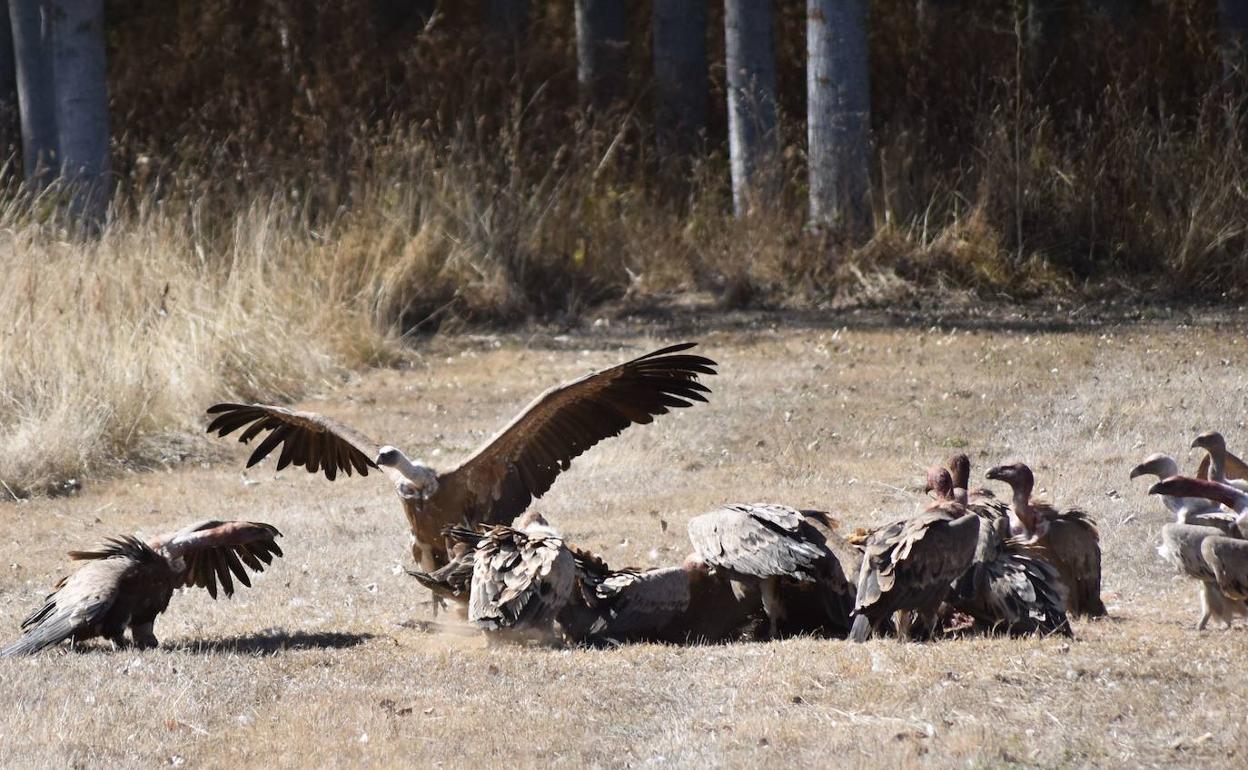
(519, 580)
(498, 482)
(1074, 547)
(453, 580)
(80, 600)
(635, 605)
(1010, 587)
(306, 438)
(1235, 467)
(215, 550)
(761, 540)
(1228, 558)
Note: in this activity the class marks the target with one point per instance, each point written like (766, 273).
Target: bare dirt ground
(330, 660)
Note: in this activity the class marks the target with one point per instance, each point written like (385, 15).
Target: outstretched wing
(760, 540)
(213, 550)
(306, 438)
(1235, 467)
(498, 482)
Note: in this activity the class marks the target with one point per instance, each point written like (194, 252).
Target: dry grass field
(331, 660)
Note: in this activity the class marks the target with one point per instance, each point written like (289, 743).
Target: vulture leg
(861, 630)
(772, 606)
(143, 636)
(117, 635)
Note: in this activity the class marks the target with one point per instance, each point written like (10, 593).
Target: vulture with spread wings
(497, 483)
(126, 582)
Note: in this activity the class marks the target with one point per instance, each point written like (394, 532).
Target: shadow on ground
(274, 641)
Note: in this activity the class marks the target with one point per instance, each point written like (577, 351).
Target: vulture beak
(1160, 488)
(996, 473)
(1140, 470)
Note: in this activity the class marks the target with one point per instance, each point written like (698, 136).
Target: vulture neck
(1022, 513)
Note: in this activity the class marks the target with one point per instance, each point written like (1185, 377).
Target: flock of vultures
(967, 562)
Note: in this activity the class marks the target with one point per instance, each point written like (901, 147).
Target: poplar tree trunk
(751, 64)
(32, 55)
(10, 137)
(82, 108)
(601, 50)
(678, 44)
(838, 115)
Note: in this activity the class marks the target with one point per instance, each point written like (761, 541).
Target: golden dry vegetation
(332, 658)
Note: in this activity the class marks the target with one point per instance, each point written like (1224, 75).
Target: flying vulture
(1069, 539)
(497, 483)
(126, 582)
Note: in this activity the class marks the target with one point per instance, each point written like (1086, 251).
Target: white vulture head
(413, 481)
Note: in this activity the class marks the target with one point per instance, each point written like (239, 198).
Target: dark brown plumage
(909, 565)
(499, 481)
(776, 551)
(1069, 538)
(126, 583)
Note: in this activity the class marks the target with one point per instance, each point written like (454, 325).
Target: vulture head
(413, 481)
(939, 484)
(533, 523)
(1159, 465)
(960, 469)
(1018, 476)
(1212, 442)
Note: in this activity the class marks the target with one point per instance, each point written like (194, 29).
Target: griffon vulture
(1069, 538)
(126, 583)
(777, 551)
(1218, 464)
(909, 565)
(1187, 510)
(497, 483)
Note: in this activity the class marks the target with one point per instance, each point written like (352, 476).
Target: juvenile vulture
(126, 583)
(1069, 538)
(497, 483)
(909, 565)
(1009, 587)
(1220, 465)
(1187, 510)
(775, 551)
(1206, 554)
(523, 576)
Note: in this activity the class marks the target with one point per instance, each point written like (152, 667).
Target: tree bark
(82, 107)
(32, 54)
(751, 64)
(678, 44)
(838, 115)
(601, 51)
(1233, 18)
(10, 137)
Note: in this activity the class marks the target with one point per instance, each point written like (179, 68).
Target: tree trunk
(1233, 18)
(32, 54)
(82, 107)
(601, 50)
(678, 43)
(751, 65)
(507, 19)
(10, 138)
(838, 115)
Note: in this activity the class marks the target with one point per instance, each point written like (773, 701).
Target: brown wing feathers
(214, 551)
(522, 461)
(307, 439)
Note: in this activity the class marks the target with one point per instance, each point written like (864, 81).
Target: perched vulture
(1207, 554)
(909, 565)
(126, 583)
(774, 551)
(1219, 464)
(523, 576)
(498, 482)
(1069, 538)
(1187, 510)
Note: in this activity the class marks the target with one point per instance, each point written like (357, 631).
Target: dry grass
(318, 664)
